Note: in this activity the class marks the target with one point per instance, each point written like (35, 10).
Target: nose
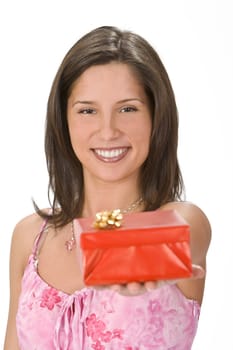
(108, 127)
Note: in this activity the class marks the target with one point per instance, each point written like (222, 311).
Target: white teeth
(111, 153)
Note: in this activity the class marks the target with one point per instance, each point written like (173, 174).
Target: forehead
(112, 77)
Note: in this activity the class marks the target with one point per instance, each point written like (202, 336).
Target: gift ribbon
(108, 219)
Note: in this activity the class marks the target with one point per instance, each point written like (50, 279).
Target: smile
(110, 155)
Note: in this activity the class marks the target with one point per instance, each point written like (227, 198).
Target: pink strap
(38, 238)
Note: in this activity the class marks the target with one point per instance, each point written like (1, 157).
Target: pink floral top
(49, 319)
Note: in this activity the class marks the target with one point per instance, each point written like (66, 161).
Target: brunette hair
(161, 179)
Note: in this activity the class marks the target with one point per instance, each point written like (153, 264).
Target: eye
(87, 111)
(128, 109)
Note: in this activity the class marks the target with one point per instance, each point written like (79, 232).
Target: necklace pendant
(70, 244)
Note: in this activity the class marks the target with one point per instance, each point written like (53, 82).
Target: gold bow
(108, 219)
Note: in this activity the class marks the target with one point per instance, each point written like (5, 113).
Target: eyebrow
(130, 99)
(118, 102)
(83, 102)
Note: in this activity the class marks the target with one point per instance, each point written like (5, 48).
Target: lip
(110, 155)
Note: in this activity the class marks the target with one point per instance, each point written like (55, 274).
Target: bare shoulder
(199, 226)
(27, 228)
(24, 236)
(190, 212)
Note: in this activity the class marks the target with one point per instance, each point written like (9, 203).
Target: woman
(111, 142)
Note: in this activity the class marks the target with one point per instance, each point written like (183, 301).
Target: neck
(111, 196)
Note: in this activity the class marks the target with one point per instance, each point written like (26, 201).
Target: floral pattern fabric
(49, 319)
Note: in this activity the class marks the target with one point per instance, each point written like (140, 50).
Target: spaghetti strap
(38, 239)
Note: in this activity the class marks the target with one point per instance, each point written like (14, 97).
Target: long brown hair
(161, 179)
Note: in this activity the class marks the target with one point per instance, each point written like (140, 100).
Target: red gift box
(148, 246)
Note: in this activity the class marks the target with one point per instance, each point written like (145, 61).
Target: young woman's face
(109, 122)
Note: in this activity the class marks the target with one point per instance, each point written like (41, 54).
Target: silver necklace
(70, 243)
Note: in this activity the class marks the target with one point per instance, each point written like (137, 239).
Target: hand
(137, 288)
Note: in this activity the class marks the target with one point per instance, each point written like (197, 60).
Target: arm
(200, 238)
(200, 235)
(21, 247)
(199, 228)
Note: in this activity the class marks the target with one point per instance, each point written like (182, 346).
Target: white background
(194, 40)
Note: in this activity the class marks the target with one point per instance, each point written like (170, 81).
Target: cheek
(76, 138)
(145, 136)
(147, 127)
(142, 131)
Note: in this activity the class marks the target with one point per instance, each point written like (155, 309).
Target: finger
(136, 288)
(151, 285)
(116, 287)
(129, 289)
(99, 287)
(198, 272)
